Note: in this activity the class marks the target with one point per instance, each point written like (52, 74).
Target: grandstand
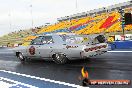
(105, 20)
(16, 37)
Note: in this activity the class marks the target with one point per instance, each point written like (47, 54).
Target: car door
(33, 48)
(46, 48)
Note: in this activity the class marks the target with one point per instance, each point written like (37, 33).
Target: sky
(19, 14)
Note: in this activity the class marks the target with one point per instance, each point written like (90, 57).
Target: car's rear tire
(60, 58)
(21, 57)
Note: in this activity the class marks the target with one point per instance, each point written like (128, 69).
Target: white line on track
(44, 79)
(16, 83)
(119, 51)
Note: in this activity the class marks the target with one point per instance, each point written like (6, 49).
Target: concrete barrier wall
(121, 45)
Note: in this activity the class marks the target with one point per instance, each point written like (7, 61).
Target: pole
(10, 23)
(121, 11)
(76, 4)
(31, 12)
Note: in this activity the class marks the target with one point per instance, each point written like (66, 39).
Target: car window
(47, 40)
(74, 39)
(42, 40)
(37, 41)
(68, 39)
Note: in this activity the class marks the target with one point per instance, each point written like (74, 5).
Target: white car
(61, 48)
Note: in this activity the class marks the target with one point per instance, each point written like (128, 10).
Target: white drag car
(61, 48)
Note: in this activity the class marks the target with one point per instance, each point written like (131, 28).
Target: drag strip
(34, 82)
(112, 65)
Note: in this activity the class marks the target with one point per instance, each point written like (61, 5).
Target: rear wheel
(60, 58)
(21, 57)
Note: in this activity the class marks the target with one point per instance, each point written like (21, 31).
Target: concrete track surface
(111, 65)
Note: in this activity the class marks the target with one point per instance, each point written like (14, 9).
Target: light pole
(10, 23)
(31, 12)
(76, 4)
(121, 11)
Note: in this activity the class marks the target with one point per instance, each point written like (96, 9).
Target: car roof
(52, 34)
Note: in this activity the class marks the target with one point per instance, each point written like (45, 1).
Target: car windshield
(73, 38)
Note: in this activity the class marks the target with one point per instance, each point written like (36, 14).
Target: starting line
(9, 79)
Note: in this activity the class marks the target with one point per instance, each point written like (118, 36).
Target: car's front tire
(60, 58)
(21, 57)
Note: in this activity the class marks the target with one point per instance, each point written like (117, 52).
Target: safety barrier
(121, 45)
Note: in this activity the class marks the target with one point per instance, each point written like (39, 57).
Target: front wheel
(21, 57)
(60, 58)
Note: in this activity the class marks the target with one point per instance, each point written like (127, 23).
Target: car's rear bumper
(85, 54)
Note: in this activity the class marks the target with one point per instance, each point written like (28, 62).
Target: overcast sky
(16, 14)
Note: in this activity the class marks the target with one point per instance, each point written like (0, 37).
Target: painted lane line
(4, 85)
(16, 83)
(44, 79)
(119, 51)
